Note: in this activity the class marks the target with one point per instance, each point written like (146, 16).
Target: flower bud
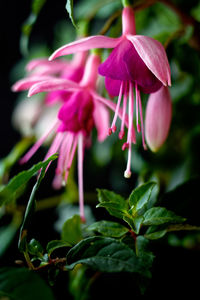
(158, 118)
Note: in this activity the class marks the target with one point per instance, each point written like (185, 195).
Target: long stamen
(121, 134)
(66, 154)
(57, 182)
(74, 146)
(63, 148)
(80, 176)
(113, 126)
(137, 100)
(112, 106)
(142, 123)
(38, 144)
(127, 173)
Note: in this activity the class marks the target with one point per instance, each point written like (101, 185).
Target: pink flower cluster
(136, 64)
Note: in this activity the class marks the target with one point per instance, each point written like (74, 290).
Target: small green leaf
(139, 198)
(23, 284)
(69, 7)
(105, 255)
(160, 215)
(108, 228)
(10, 192)
(56, 244)
(71, 231)
(115, 204)
(35, 248)
(134, 223)
(156, 235)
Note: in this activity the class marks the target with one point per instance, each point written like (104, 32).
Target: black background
(176, 270)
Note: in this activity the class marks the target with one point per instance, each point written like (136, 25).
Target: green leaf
(104, 254)
(108, 228)
(56, 244)
(160, 215)
(71, 231)
(155, 232)
(10, 192)
(35, 248)
(23, 284)
(156, 235)
(32, 203)
(139, 198)
(69, 7)
(134, 223)
(115, 204)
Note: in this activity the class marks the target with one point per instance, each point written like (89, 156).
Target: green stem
(28, 261)
(126, 3)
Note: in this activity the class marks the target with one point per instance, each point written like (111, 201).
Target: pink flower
(137, 62)
(34, 117)
(158, 118)
(76, 119)
(41, 69)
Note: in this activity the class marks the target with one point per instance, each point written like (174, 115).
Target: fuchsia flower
(158, 118)
(41, 69)
(137, 62)
(76, 119)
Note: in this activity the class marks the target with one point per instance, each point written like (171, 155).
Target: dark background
(176, 270)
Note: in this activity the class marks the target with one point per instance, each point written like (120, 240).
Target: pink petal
(112, 86)
(45, 67)
(154, 56)
(114, 66)
(101, 120)
(53, 85)
(25, 84)
(158, 118)
(44, 62)
(85, 44)
(76, 114)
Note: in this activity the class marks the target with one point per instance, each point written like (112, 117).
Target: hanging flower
(34, 117)
(76, 119)
(158, 118)
(137, 62)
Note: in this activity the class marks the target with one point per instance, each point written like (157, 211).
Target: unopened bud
(158, 118)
